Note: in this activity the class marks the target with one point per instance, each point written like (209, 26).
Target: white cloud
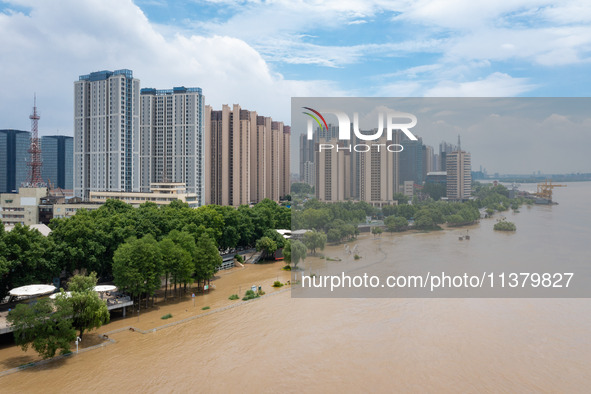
(494, 85)
(48, 48)
(541, 32)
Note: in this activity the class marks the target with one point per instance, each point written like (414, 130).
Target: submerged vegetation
(503, 225)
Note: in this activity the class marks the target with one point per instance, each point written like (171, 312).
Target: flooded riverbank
(284, 344)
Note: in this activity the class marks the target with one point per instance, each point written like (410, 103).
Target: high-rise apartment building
(428, 160)
(445, 149)
(260, 129)
(274, 160)
(106, 132)
(247, 157)
(57, 152)
(309, 173)
(378, 173)
(306, 154)
(459, 177)
(285, 176)
(172, 139)
(227, 143)
(14, 146)
(355, 172)
(333, 171)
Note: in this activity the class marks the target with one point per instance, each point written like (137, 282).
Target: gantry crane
(545, 189)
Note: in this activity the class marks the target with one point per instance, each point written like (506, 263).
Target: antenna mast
(35, 162)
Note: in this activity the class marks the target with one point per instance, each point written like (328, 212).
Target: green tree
(208, 259)
(88, 310)
(315, 218)
(26, 258)
(298, 252)
(455, 219)
(275, 236)
(407, 211)
(267, 245)
(301, 188)
(376, 231)
(137, 266)
(176, 261)
(396, 223)
(230, 232)
(314, 240)
(3, 262)
(333, 235)
(246, 229)
(82, 283)
(43, 327)
(435, 190)
(78, 242)
(389, 210)
(424, 219)
(401, 198)
(503, 225)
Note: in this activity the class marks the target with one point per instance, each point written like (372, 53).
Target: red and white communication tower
(35, 163)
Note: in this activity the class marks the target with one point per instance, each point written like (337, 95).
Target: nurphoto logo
(392, 120)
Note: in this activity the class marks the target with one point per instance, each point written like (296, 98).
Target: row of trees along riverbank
(339, 221)
(134, 247)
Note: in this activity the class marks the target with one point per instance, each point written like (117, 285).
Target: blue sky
(261, 53)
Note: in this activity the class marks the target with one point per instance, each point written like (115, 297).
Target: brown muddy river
(284, 344)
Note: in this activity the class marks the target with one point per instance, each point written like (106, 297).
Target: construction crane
(545, 189)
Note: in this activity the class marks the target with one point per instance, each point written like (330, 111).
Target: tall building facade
(273, 161)
(172, 139)
(261, 129)
(57, 152)
(227, 142)
(428, 160)
(411, 161)
(306, 156)
(309, 173)
(285, 176)
(14, 146)
(445, 149)
(355, 172)
(332, 172)
(247, 157)
(459, 176)
(106, 132)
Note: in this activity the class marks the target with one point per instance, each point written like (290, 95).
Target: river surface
(285, 344)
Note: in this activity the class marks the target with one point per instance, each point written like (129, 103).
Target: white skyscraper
(106, 132)
(172, 138)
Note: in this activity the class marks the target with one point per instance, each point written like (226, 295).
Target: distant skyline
(505, 135)
(259, 54)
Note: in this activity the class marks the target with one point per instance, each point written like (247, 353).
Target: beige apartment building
(459, 175)
(247, 157)
(378, 174)
(160, 194)
(69, 209)
(261, 129)
(333, 172)
(21, 207)
(358, 172)
(285, 176)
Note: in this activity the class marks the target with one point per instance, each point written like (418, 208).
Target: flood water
(284, 344)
